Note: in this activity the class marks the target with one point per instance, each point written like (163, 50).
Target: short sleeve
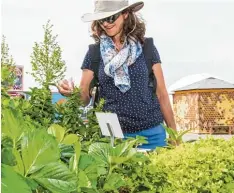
(86, 62)
(156, 56)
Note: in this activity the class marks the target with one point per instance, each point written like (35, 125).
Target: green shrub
(40, 108)
(206, 166)
(69, 113)
(7, 67)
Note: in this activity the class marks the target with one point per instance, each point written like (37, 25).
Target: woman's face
(111, 27)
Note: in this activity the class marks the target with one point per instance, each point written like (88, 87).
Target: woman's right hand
(65, 88)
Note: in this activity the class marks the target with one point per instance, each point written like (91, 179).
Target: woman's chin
(110, 33)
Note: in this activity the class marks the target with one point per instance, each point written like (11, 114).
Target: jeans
(156, 137)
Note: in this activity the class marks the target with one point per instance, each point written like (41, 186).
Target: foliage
(40, 107)
(97, 170)
(9, 177)
(205, 166)
(69, 113)
(65, 141)
(47, 64)
(47, 68)
(34, 155)
(59, 133)
(92, 133)
(175, 137)
(7, 67)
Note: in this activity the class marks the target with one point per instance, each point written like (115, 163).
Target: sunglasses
(110, 19)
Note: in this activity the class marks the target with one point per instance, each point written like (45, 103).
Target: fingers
(65, 85)
(64, 88)
(64, 92)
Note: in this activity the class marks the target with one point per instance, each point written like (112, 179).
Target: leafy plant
(47, 64)
(69, 113)
(35, 155)
(175, 137)
(7, 156)
(65, 140)
(111, 159)
(60, 134)
(92, 132)
(9, 177)
(204, 166)
(40, 106)
(7, 67)
(47, 68)
(99, 169)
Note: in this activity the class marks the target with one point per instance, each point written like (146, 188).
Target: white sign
(109, 124)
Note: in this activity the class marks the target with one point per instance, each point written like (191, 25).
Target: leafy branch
(47, 64)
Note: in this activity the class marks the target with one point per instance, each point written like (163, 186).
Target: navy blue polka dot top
(138, 109)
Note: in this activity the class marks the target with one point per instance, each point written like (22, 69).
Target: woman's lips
(108, 28)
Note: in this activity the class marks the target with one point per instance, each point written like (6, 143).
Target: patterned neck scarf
(116, 63)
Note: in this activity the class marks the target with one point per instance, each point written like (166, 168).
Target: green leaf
(76, 159)
(31, 183)
(108, 155)
(122, 159)
(13, 182)
(6, 141)
(100, 152)
(66, 150)
(70, 139)
(123, 149)
(57, 131)
(89, 190)
(91, 172)
(19, 166)
(56, 177)
(114, 182)
(89, 166)
(140, 157)
(122, 152)
(85, 161)
(141, 139)
(38, 149)
(12, 125)
(8, 157)
(230, 186)
(171, 132)
(83, 180)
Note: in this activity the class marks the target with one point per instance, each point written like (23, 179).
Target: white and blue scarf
(116, 63)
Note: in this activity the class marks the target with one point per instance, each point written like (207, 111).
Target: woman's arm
(86, 78)
(163, 97)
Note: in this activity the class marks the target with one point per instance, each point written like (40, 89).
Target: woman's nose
(105, 24)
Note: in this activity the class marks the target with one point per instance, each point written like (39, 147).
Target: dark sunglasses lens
(110, 19)
(101, 21)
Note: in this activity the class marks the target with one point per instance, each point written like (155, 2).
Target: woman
(123, 74)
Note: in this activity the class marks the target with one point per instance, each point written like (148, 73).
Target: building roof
(187, 80)
(207, 83)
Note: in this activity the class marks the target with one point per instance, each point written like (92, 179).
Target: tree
(7, 66)
(47, 64)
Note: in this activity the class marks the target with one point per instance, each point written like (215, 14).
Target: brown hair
(133, 25)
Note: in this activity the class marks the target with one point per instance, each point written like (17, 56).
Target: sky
(192, 36)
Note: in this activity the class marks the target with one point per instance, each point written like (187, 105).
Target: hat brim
(88, 17)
